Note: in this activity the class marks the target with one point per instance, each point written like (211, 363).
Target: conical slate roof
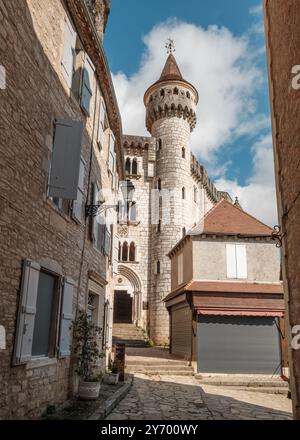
(171, 70)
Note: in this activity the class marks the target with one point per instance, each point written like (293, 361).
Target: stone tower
(170, 117)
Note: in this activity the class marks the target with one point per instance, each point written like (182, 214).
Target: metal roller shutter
(181, 331)
(238, 345)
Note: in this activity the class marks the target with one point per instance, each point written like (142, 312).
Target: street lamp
(127, 189)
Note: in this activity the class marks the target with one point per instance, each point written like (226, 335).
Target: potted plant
(88, 354)
(112, 376)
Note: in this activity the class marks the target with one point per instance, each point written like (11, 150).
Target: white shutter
(115, 261)
(87, 84)
(78, 203)
(69, 53)
(231, 261)
(66, 319)
(26, 314)
(65, 161)
(241, 261)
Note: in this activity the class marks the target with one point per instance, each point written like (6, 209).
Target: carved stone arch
(137, 288)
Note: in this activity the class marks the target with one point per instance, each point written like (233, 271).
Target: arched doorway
(128, 297)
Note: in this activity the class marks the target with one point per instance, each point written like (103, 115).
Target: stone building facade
(172, 192)
(58, 108)
(282, 20)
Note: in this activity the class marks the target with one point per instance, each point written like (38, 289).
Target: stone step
(246, 383)
(155, 363)
(263, 390)
(158, 367)
(164, 372)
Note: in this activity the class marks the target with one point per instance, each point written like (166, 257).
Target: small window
(188, 95)
(159, 144)
(158, 267)
(134, 167)
(162, 92)
(132, 252)
(43, 325)
(125, 251)
(119, 252)
(128, 166)
(159, 227)
(183, 193)
(132, 212)
(183, 232)
(183, 153)
(159, 184)
(176, 91)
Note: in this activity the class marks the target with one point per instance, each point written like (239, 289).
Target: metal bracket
(277, 236)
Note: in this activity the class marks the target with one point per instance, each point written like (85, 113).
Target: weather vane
(170, 46)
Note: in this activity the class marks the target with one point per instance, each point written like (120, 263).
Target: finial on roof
(237, 203)
(170, 46)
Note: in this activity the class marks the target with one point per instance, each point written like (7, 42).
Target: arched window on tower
(128, 166)
(183, 192)
(132, 251)
(176, 91)
(188, 95)
(125, 251)
(162, 92)
(159, 184)
(134, 170)
(158, 267)
(120, 251)
(159, 144)
(183, 153)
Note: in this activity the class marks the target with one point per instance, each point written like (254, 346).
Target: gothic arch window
(183, 192)
(158, 267)
(125, 251)
(159, 144)
(134, 170)
(183, 153)
(176, 91)
(132, 251)
(128, 166)
(188, 95)
(159, 184)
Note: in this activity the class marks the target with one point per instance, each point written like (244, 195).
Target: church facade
(172, 192)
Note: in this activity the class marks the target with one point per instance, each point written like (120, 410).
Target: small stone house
(226, 305)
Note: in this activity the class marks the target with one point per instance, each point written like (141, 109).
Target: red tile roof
(225, 218)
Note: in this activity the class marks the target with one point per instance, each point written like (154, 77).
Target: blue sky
(233, 133)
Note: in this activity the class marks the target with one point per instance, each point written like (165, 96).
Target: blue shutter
(78, 203)
(69, 53)
(87, 85)
(26, 313)
(65, 161)
(67, 317)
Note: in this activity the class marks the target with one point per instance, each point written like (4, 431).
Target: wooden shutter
(65, 162)
(69, 53)
(101, 127)
(87, 84)
(78, 203)
(26, 313)
(111, 156)
(241, 261)
(231, 261)
(66, 319)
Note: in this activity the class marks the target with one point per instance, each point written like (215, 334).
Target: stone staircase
(130, 335)
(156, 362)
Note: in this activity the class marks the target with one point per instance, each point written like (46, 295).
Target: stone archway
(135, 289)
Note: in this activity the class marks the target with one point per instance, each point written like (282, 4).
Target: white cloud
(258, 196)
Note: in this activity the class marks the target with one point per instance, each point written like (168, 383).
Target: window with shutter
(67, 316)
(65, 161)
(101, 127)
(111, 154)
(116, 254)
(106, 242)
(87, 84)
(236, 258)
(69, 53)
(78, 203)
(27, 312)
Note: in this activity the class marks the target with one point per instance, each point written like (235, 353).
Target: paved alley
(167, 396)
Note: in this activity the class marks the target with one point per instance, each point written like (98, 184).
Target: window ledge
(128, 262)
(40, 362)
